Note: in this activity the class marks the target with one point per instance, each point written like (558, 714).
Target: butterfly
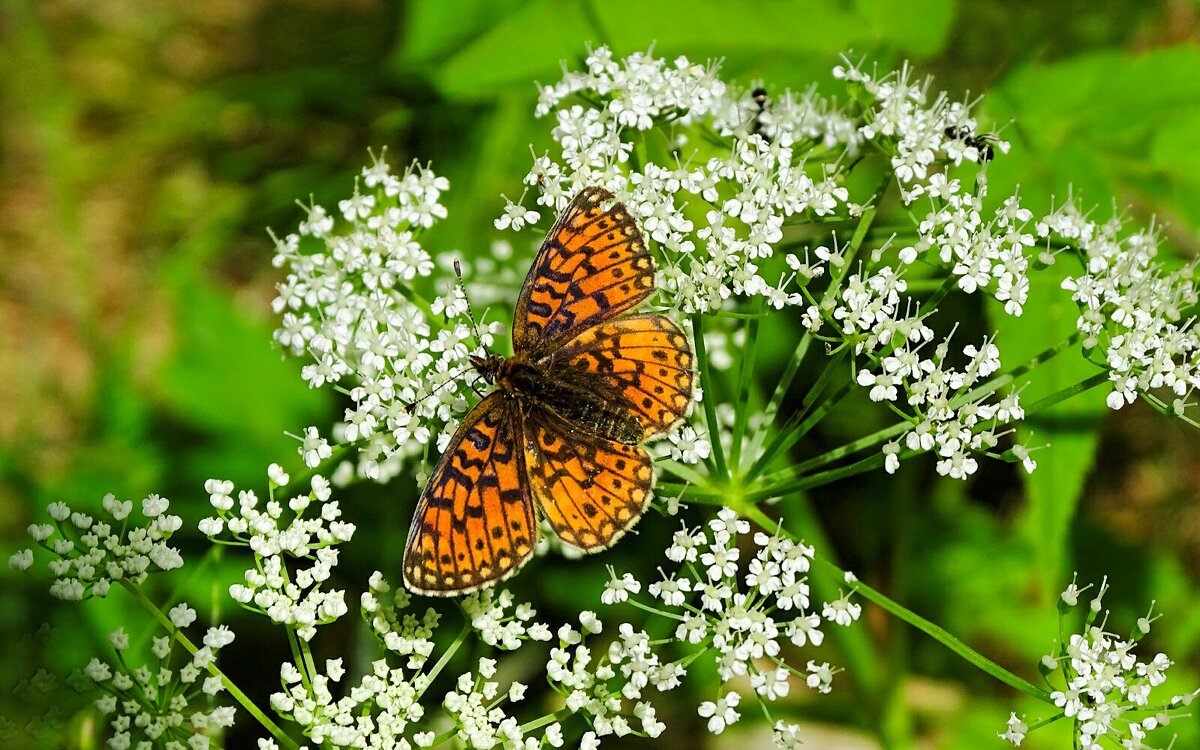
(558, 437)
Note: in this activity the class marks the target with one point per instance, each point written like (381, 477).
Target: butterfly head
(489, 367)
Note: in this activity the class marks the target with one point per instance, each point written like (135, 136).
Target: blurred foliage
(147, 145)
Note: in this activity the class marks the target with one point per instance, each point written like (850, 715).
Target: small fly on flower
(984, 143)
(759, 95)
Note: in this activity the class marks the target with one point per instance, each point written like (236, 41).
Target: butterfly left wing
(474, 524)
(593, 266)
(589, 489)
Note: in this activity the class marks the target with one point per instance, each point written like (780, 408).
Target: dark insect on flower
(983, 142)
(759, 95)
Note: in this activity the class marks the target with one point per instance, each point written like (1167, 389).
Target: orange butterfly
(560, 433)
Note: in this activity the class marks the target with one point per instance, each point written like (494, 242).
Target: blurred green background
(147, 146)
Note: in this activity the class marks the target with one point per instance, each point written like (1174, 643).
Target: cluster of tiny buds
(309, 529)
(163, 703)
(91, 553)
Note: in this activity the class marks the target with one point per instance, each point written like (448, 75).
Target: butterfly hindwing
(474, 523)
(593, 265)
(589, 489)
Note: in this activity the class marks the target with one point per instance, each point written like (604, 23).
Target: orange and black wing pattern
(474, 524)
(593, 266)
(589, 489)
(643, 362)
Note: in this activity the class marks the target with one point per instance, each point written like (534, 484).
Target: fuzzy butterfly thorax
(591, 407)
(558, 438)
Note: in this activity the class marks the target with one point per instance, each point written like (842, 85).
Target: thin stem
(835, 282)
(449, 652)
(1071, 391)
(280, 736)
(791, 433)
(710, 404)
(943, 289)
(816, 480)
(742, 407)
(939, 634)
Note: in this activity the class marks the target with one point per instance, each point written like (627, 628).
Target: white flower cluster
(947, 418)
(984, 256)
(745, 192)
(1108, 688)
(491, 619)
(385, 706)
(91, 554)
(1140, 314)
(355, 301)
(608, 689)
(743, 612)
(901, 120)
(474, 704)
(308, 529)
(159, 704)
(382, 706)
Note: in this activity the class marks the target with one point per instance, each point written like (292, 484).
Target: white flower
(721, 713)
(181, 615)
(618, 589)
(1015, 732)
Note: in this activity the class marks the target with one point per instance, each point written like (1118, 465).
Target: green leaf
(531, 42)
(434, 29)
(226, 380)
(527, 45)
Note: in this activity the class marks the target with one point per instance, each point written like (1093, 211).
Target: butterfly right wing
(474, 524)
(590, 490)
(593, 266)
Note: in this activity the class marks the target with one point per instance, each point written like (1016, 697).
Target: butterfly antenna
(449, 381)
(462, 289)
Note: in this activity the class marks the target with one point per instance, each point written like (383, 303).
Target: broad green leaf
(527, 45)
(433, 29)
(532, 41)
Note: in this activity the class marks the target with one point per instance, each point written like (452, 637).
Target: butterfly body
(558, 437)
(579, 401)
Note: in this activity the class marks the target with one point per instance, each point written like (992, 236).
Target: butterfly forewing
(474, 523)
(593, 265)
(590, 490)
(644, 361)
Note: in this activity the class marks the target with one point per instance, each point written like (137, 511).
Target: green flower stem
(1167, 409)
(306, 674)
(1012, 375)
(888, 433)
(801, 424)
(459, 640)
(1070, 391)
(280, 736)
(816, 480)
(742, 407)
(936, 632)
(835, 282)
(943, 289)
(720, 469)
(541, 721)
